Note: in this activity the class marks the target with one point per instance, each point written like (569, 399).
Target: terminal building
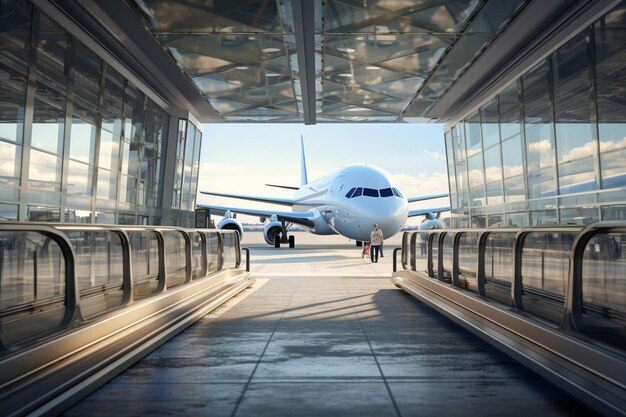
(104, 106)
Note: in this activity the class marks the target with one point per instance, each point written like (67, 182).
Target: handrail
(247, 250)
(572, 318)
(71, 295)
(574, 292)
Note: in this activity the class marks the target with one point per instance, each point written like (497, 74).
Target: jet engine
(271, 230)
(231, 224)
(431, 222)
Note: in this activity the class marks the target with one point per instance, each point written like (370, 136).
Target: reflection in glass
(79, 178)
(10, 164)
(83, 140)
(13, 68)
(44, 171)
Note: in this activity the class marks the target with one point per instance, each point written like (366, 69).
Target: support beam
(304, 26)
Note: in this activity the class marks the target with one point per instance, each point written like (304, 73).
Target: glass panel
(212, 251)
(603, 272)
(109, 150)
(8, 213)
(197, 255)
(83, 140)
(33, 269)
(510, 111)
(176, 258)
(134, 114)
(499, 266)
(539, 141)
(610, 70)
(545, 261)
(10, 164)
(107, 184)
(489, 124)
(99, 271)
(468, 259)
(229, 241)
(576, 148)
(604, 288)
(113, 101)
(79, 179)
(49, 110)
(45, 171)
(144, 249)
(14, 37)
(472, 135)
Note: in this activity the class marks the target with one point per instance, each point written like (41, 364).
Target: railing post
(162, 261)
(413, 252)
(247, 250)
(405, 237)
(480, 262)
(220, 251)
(517, 285)
(429, 264)
(127, 269)
(395, 258)
(456, 237)
(441, 236)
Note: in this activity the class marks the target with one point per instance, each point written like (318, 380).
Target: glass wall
(186, 176)
(83, 144)
(550, 148)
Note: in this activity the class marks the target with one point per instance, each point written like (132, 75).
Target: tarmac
(323, 332)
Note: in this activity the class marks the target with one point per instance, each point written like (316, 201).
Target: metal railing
(552, 297)
(55, 277)
(561, 274)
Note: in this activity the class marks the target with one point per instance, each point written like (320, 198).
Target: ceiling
(324, 61)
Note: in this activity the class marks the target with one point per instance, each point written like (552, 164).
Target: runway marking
(236, 300)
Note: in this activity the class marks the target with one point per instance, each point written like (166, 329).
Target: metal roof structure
(320, 60)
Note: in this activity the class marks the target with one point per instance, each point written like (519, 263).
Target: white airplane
(347, 202)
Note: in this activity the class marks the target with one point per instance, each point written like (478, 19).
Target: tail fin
(303, 177)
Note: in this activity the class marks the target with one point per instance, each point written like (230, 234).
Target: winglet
(303, 177)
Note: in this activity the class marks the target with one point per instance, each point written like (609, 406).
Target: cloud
(434, 155)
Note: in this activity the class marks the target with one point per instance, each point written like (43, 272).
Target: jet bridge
(80, 303)
(551, 297)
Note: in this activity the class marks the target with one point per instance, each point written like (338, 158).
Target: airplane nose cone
(390, 217)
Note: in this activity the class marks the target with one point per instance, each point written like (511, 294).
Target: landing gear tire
(277, 240)
(292, 241)
(359, 243)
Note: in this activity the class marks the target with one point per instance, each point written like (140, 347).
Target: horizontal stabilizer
(289, 187)
(420, 212)
(426, 197)
(270, 200)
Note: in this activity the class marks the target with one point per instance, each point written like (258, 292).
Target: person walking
(376, 239)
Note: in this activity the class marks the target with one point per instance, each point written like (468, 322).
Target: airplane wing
(304, 218)
(271, 200)
(420, 212)
(426, 197)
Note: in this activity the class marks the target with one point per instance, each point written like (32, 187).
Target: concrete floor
(325, 333)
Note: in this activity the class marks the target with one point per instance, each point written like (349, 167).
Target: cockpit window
(350, 192)
(397, 192)
(357, 192)
(386, 192)
(370, 192)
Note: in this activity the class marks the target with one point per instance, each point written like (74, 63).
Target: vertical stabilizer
(303, 177)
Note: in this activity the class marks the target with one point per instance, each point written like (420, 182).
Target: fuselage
(351, 200)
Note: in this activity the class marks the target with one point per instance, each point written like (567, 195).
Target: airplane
(347, 202)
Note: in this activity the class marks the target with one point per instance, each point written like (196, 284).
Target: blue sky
(241, 158)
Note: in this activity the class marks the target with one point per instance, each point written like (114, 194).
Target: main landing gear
(359, 243)
(283, 237)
